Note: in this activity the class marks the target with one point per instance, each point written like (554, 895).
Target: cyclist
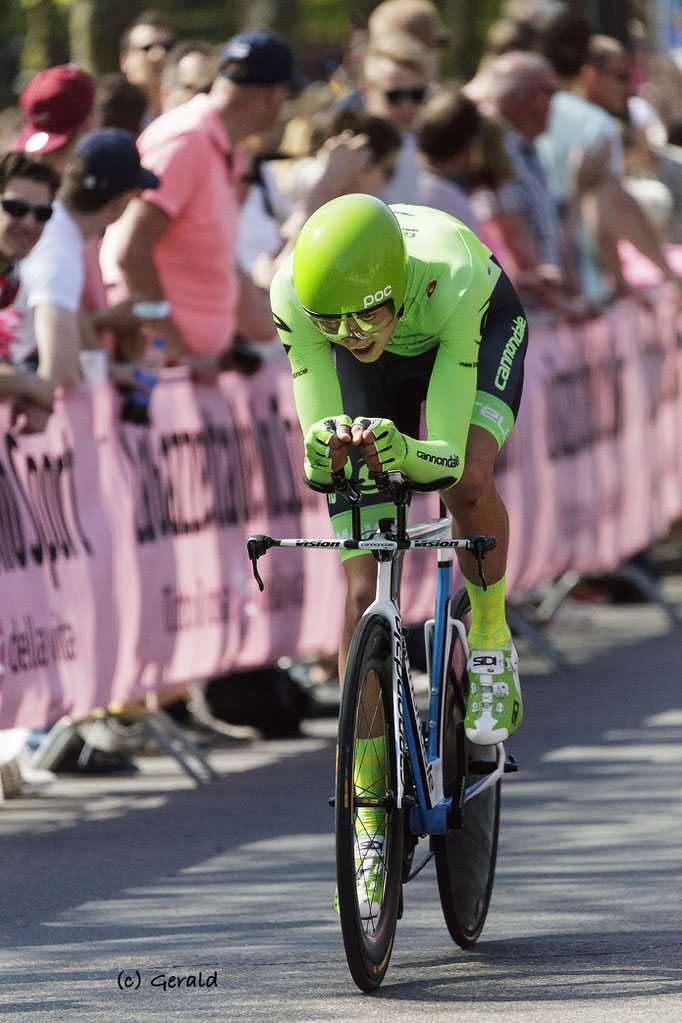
(417, 308)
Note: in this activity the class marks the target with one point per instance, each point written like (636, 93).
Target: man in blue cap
(100, 179)
(178, 244)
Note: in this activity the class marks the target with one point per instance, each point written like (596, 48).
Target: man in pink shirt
(177, 244)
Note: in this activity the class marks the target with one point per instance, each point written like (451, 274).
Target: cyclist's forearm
(429, 460)
(317, 393)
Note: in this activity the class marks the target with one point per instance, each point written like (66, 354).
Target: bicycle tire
(465, 858)
(367, 698)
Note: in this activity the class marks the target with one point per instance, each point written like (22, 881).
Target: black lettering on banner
(584, 406)
(36, 548)
(45, 491)
(570, 426)
(31, 645)
(182, 611)
(12, 541)
(151, 514)
(40, 494)
(200, 479)
(190, 501)
(225, 477)
(281, 491)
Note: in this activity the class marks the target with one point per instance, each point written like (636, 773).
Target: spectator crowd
(156, 203)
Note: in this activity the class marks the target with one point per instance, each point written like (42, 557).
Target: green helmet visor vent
(350, 258)
(360, 324)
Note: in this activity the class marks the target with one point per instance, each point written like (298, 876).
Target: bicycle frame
(431, 812)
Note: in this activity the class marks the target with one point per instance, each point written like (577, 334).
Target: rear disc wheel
(465, 858)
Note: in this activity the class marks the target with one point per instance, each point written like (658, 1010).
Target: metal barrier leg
(518, 622)
(172, 738)
(54, 744)
(556, 596)
(649, 588)
(97, 727)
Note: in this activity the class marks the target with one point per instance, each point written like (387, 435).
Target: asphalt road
(113, 890)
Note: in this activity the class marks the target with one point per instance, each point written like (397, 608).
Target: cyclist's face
(369, 349)
(365, 335)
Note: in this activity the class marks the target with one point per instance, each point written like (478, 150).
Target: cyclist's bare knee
(477, 480)
(361, 587)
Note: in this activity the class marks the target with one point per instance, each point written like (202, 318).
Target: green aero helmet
(350, 256)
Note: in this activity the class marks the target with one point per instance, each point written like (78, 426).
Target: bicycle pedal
(482, 766)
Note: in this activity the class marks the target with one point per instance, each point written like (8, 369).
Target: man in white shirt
(99, 182)
(27, 189)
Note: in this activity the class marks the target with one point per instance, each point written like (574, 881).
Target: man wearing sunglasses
(380, 309)
(396, 78)
(27, 189)
(144, 48)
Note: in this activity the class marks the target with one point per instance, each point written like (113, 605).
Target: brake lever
(257, 546)
(480, 545)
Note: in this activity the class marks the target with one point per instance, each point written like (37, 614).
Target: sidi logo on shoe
(489, 663)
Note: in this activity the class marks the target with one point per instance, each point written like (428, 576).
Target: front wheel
(465, 858)
(369, 829)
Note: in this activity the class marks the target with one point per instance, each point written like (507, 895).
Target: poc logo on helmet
(380, 296)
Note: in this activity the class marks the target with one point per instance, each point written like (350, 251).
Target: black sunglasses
(394, 96)
(18, 208)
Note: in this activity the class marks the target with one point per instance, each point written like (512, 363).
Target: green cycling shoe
(495, 707)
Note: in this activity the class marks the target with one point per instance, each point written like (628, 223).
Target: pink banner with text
(123, 565)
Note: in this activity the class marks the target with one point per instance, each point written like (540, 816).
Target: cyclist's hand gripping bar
(392, 484)
(340, 484)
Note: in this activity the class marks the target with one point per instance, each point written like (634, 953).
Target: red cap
(54, 105)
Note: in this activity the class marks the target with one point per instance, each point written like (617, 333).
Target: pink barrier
(122, 549)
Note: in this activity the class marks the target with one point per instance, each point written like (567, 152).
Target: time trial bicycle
(399, 776)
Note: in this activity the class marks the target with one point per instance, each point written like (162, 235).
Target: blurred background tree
(37, 33)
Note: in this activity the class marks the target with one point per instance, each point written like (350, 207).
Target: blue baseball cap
(258, 58)
(111, 162)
